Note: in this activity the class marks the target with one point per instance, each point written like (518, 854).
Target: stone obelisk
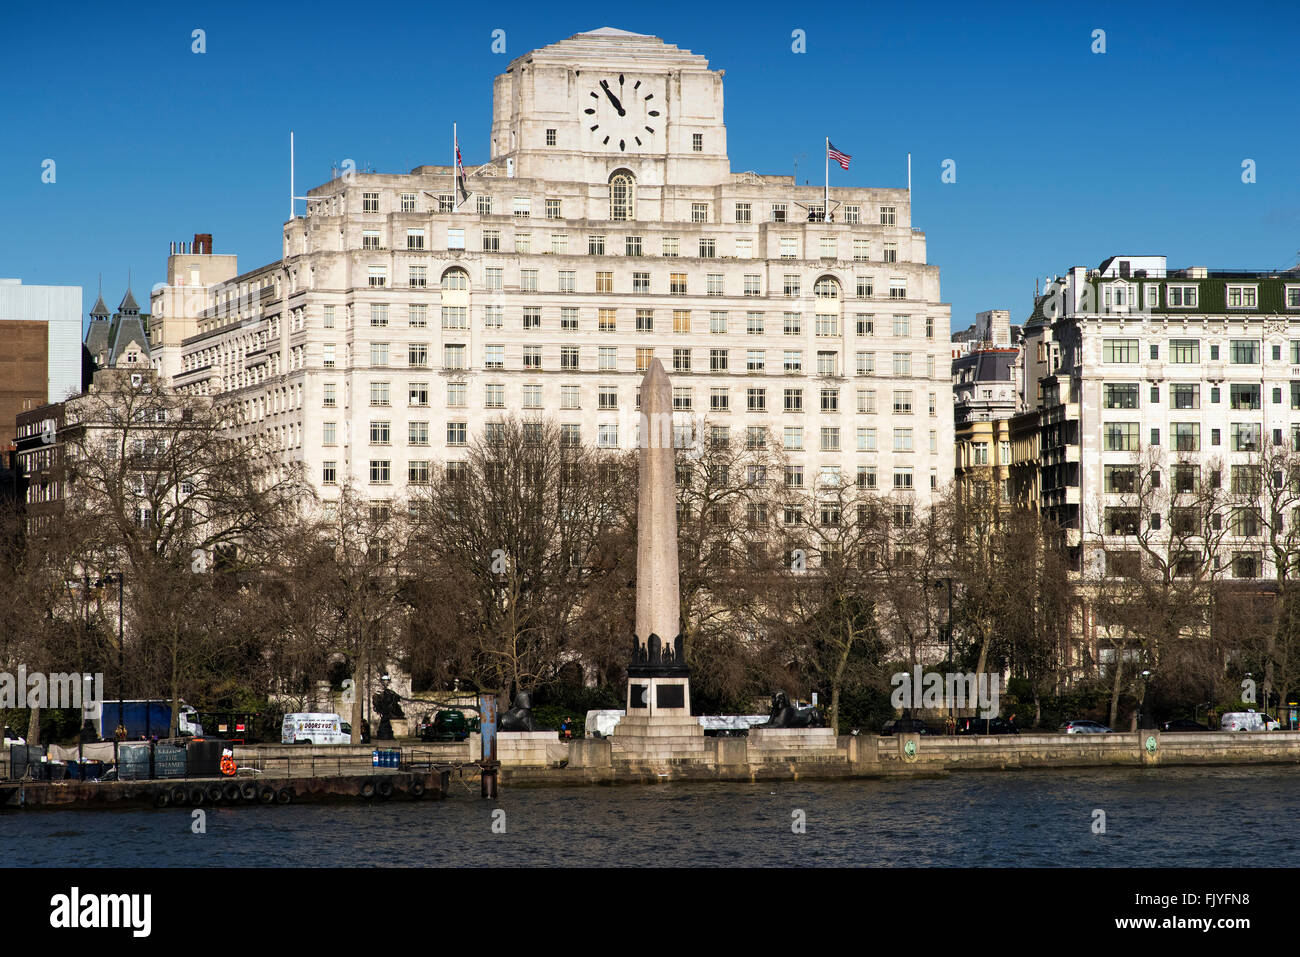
(658, 722)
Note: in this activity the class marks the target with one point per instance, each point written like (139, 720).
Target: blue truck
(143, 719)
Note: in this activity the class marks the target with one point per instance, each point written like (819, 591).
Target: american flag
(833, 153)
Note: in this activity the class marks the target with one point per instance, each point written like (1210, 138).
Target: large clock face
(622, 114)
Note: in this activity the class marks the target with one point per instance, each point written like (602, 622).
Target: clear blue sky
(1063, 156)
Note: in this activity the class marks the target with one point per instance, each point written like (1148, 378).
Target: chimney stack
(203, 244)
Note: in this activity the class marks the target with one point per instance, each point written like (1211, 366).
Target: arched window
(827, 287)
(622, 196)
(455, 278)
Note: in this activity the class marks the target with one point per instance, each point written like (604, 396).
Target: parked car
(1248, 721)
(977, 725)
(446, 726)
(1184, 724)
(904, 726)
(1084, 727)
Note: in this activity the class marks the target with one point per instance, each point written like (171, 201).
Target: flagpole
(455, 170)
(826, 203)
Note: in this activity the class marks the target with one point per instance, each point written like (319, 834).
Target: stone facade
(1148, 385)
(606, 228)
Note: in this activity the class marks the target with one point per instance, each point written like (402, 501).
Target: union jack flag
(833, 153)
(462, 184)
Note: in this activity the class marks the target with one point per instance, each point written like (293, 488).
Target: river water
(1190, 817)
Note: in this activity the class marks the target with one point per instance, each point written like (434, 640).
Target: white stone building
(606, 228)
(1144, 377)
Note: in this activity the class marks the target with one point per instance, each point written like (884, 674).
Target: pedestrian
(120, 733)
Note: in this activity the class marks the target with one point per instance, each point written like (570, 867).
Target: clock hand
(612, 98)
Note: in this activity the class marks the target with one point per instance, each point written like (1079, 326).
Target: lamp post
(948, 582)
(1142, 703)
(121, 658)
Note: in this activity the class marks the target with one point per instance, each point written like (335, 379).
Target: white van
(1248, 721)
(315, 728)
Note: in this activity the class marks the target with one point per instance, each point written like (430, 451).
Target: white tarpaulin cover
(99, 751)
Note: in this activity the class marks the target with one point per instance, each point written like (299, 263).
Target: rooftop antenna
(292, 197)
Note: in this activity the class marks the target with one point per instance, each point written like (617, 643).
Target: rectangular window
(866, 439)
(793, 400)
(494, 357)
(699, 211)
(866, 363)
(718, 360)
(793, 361)
(830, 439)
(417, 316)
(1242, 396)
(1120, 350)
(1244, 351)
(888, 216)
(455, 238)
(792, 324)
(417, 394)
(681, 360)
(1121, 436)
(1241, 297)
(1187, 436)
(1185, 351)
(1245, 436)
(1185, 395)
(1120, 395)
(719, 400)
(1121, 478)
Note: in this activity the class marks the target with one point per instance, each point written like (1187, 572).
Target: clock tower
(580, 109)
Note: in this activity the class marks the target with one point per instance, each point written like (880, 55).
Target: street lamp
(1142, 704)
(109, 579)
(948, 582)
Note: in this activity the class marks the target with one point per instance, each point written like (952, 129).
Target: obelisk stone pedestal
(658, 724)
